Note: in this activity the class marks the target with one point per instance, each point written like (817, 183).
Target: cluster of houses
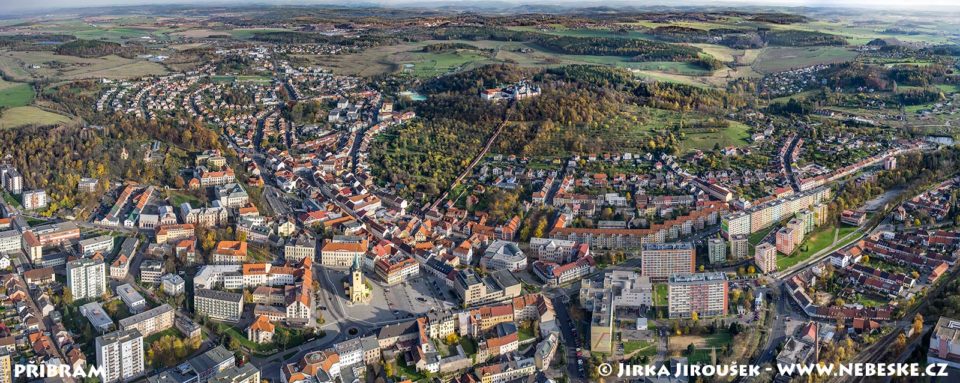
(932, 204)
(793, 81)
(486, 339)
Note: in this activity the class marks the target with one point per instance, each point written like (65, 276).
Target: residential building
(717, 250)
(766, 214)
(661, 260)
(621, 238)
(87, 185)
(546, 350)
(100, 244)
(172, 284)
(86, 278)
(218, 305)
(120, 355)
(171, 233)
(739, 246)
(765, 256)
(945, 343)
(298, 249)
(10, 241)
(507, 371)
(151, 321)
(34, 199)
(150, 271)
(786, 240)
(11, 179)
(229, 252)
(705, 294)
(6, 367)
(396, 268)
(261, 330)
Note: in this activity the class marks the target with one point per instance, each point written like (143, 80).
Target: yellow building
(357, 290)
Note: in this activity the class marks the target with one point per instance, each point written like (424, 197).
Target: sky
(22, 5)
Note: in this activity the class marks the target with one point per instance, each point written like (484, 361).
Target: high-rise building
(661, 260)
(765, 256)
(808, 217)
(759, 217)
(717, 250)
(799, 229)
(705, 294)
(120, 355)
(11, 179)
(86, 278)
(739, 246)
(34, 199)
(786, 240)
(6, 367)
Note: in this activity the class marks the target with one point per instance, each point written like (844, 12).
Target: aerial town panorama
(473, 192)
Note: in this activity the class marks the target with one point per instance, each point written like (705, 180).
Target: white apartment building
(120, 355)
(86, 278)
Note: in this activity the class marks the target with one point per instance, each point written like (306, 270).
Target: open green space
(734, 135)
(178, 197)
(867, 301)
(29, 115)
(469, 345)
(526, 332)
(816, 242)
(778, 59)
(409, 372)
(660, 294)
(758, 236)
(643, 347)
(13, 94)
(430, 64)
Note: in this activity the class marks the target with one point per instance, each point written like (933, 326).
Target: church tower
(357, 289)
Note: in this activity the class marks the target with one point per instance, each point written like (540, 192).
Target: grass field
(735, 135)
(430, 64)
(703, 345)
(36, 64)
(391, 59)
(13, 94)
(246, 33)
(660, 294)
(641, 346)
(780, 59)
(178, 197)
(28, 115)
(810, 246)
